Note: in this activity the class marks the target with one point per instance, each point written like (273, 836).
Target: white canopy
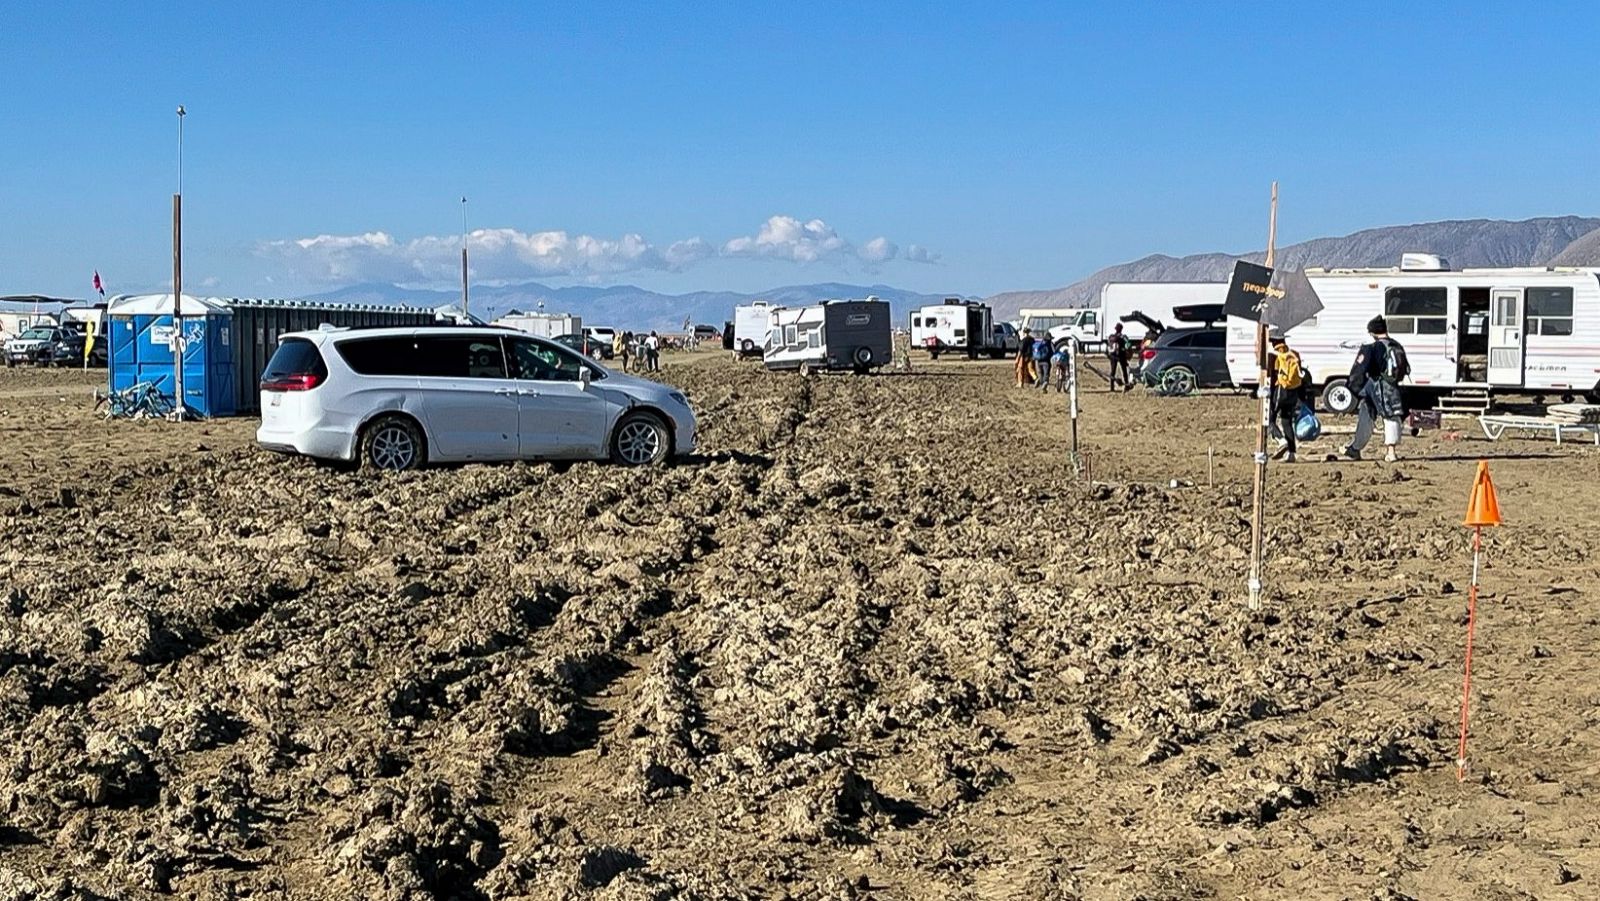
(161, 305)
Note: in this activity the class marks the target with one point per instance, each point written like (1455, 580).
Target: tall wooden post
(1264, 389)
(464, 311)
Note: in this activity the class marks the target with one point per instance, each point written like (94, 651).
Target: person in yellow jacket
(1025, 374)
(1288, 381)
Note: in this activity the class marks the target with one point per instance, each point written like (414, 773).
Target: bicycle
(140, 401)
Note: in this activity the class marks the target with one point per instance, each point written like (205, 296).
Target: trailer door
(1505, 337)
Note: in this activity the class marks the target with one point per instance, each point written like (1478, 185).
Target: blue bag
(1307, 427)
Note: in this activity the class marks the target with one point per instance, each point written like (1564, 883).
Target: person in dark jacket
(1375, 378)
(1117, 350)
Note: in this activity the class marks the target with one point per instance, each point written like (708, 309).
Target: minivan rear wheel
(393, 443)
(640, 440)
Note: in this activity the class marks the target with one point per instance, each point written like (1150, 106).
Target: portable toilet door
(142, 341)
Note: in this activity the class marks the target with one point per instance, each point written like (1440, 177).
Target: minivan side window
(458, 356)
(543, 363)
(380, 356)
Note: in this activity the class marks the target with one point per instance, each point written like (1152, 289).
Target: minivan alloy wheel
(639, 442)
(393, 447)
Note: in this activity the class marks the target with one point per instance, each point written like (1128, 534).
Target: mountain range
(1560, 240)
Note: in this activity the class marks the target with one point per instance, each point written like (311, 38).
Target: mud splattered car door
(561, 417)
(468, 404)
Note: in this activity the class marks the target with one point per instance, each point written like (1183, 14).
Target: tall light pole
(464, 313)
(177, 281)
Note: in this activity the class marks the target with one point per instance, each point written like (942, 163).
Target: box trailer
(1478, 332)
(959, 326)
(544, 325)
(1120, 301)
(829, 336)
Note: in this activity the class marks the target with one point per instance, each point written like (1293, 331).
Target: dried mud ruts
(849, 650)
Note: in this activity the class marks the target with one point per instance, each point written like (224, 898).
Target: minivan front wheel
(640, 440)
(392, 443)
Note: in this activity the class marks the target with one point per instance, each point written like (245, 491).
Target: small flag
(97, 285)
(686, 323)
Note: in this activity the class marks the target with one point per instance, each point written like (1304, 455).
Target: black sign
(1250, 291)
(1281, 298)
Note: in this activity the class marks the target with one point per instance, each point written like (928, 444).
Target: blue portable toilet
(141, 338)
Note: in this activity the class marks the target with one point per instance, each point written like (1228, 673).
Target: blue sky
(991, 146)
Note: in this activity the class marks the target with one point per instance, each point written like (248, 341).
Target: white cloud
(505, 254)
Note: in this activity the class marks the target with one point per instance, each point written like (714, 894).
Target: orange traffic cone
(1482, 508)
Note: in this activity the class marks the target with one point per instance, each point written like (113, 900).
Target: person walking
(1375, 378)
(1041, 363)
(627, 350)
(619, 349)
(652, 351)
(1025, 359)
(1287, 383)
(1117, 354)
(1058, 364)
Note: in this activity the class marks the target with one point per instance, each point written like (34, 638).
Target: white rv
(751, 322)
(957, 326)
(1469, 332)
(832, 335)
(1159, 301)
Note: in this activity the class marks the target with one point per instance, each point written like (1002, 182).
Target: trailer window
(1549, 311)
(814, 338)
(790, 335)
(1417, 311)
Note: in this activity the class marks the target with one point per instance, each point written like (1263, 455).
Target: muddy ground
(874, 642)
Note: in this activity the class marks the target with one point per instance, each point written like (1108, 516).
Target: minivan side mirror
(584, 378)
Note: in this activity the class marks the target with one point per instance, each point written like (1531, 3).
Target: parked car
(401, 397)
(1181, 360)
(51, 345)
(704, 332)
(583, 344)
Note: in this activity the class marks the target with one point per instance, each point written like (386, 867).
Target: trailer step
(1464, 402)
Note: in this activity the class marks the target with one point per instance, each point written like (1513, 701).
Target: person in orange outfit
(1025, 374)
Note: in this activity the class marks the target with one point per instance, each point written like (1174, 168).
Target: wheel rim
(1339, 398)
(1179, 381)
(393, 448)
(639, 442)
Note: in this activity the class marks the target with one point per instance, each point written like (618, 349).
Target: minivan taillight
(302, 382)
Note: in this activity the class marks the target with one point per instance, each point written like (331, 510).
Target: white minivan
(396, 398)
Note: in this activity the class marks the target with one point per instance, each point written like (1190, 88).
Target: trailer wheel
(862, 356)
(746, 346)
(1337, 397)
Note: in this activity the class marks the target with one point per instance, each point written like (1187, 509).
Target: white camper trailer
(1468, 333)
(1159, 301)
(958, 326)
(750, 324)
(832, 335)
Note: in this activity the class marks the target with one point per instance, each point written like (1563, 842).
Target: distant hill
(625, 306)
(1565, 240)
(1583, 252)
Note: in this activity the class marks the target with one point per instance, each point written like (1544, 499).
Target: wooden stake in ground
(1263, 388)
(1483, 509)
(1072, 399)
